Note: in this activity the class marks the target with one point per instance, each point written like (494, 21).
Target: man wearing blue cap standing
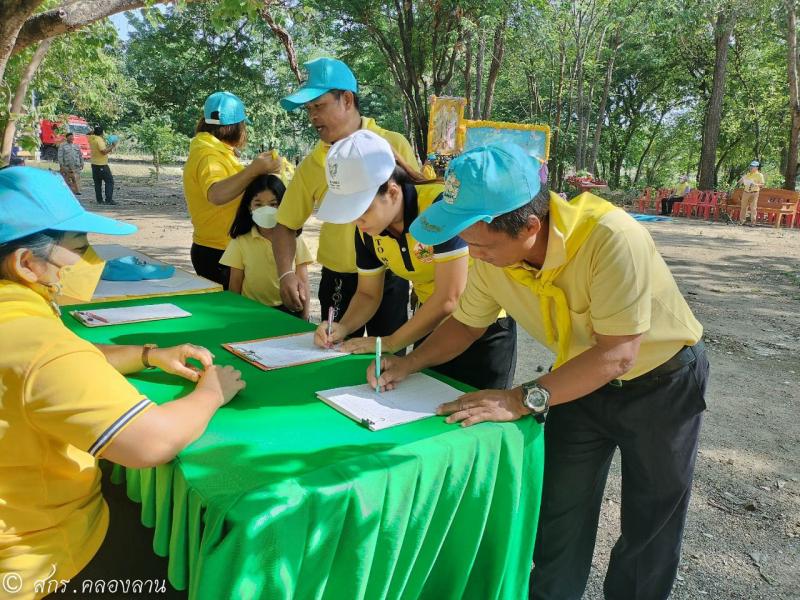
(331, 98)
(586, 280)
(64, 401)
(751, 182)
(214, 180)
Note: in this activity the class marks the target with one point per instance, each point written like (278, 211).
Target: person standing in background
(70, 161)
(101, 172)
(752, 182)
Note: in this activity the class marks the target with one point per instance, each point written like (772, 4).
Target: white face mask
(266, 216)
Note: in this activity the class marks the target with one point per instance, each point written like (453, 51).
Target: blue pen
(377, 365)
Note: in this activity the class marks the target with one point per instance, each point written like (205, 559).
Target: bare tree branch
(69, 17)
(284, 37)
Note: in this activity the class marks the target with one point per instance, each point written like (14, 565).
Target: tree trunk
(656, 129)
(562, 60)
(794, 101)
(19, 98)
(601, 109)
(476, 108)
(498, 49)
(722, 35)
(588, 107)
(14, 14)
(579, 109)
(468, 70)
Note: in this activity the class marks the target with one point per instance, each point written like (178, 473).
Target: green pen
(377, 365)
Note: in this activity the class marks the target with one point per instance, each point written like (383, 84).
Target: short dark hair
(98, 130)
(339, 93)
(40, 244)
(69, 133)
(235, 134)
(243, 221)
(512, 223)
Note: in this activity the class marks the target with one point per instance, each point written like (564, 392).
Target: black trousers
(205, 261)
(102, 174)
(667, 203)
(655, 422)
(337, 289)
(489, 363)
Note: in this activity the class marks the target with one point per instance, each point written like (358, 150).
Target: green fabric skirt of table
(283, 497)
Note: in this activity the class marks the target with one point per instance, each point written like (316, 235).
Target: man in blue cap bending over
(330, 96)
(584, 279)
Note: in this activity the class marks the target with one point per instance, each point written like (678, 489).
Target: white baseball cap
(355, 168)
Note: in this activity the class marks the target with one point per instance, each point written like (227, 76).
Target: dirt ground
(743, 531)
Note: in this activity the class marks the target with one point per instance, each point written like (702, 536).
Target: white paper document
(285, 351)
(128, 314)
(414, 398)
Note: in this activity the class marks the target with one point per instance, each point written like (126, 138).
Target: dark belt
(685, 356)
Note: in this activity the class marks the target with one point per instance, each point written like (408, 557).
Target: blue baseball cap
(324, 74)
(33, 200)
(132, 268)
(229, 107)
(479, 185)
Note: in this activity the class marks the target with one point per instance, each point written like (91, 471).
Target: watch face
(537, 399)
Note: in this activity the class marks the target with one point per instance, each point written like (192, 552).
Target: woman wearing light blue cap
(64, 401)
(214, 180)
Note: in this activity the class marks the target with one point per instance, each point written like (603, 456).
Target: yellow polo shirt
(405, 256)
(210, 160)
(308, 186)
(616, 284)
(61, 404)
(682, 189)
(757, 180)
(96, 145)
(252, 253)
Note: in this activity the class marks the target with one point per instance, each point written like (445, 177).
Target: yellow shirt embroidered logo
(423, 253)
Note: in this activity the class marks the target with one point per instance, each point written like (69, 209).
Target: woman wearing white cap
(64, 401)
(369, 185)
(214, 180)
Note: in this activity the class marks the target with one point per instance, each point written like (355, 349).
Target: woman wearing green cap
(214, 180)
(65, 402)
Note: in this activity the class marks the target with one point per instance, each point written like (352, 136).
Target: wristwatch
(536, 399)
(146, 355)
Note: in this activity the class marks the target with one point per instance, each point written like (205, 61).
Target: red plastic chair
(643, 203)
(662, 194)
(690, 201)
(713, 205)
(797, 217)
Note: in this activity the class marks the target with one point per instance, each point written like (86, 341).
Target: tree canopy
(636, 92)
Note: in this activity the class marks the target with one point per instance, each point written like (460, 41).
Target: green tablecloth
(283, 497)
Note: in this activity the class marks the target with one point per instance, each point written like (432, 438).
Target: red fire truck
(53, 132)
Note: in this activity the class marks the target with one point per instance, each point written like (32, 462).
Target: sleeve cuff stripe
(456, 252)
(371, 271)
(109, 433)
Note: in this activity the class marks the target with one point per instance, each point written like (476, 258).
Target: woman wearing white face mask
(64, 402)
(253, 271)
